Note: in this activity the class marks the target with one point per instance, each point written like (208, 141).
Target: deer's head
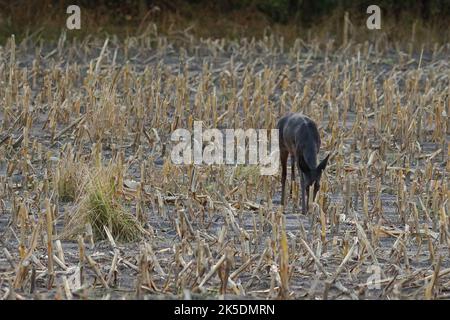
(312, 176)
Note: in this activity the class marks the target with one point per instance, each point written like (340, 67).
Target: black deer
(299, 137)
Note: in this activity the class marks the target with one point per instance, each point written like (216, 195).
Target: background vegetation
(425, 20)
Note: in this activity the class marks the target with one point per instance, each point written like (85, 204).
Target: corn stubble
(88, 190)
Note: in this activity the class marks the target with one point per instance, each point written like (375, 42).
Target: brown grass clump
(69, 178)
(99, 206)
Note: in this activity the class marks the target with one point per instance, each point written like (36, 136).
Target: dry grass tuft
(99, 206)
(70, 176)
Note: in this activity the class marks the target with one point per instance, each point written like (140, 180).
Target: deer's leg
(292, 175)
(303, 186)
(283, 159)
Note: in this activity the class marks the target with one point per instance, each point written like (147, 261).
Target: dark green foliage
(304, 11)
(23, 17)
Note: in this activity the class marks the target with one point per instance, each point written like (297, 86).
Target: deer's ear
(323, 164)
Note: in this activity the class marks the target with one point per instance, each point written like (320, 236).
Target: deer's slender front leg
(302, 182)
(283, 159)
(292, 175)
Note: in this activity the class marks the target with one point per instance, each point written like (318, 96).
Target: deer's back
(299, 132)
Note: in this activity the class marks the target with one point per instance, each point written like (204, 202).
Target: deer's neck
(307, 156)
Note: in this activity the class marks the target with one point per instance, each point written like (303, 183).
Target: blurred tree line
(303, 12)
(225, 18)
(284, 11)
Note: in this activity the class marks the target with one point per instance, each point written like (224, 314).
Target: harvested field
(86, 130)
